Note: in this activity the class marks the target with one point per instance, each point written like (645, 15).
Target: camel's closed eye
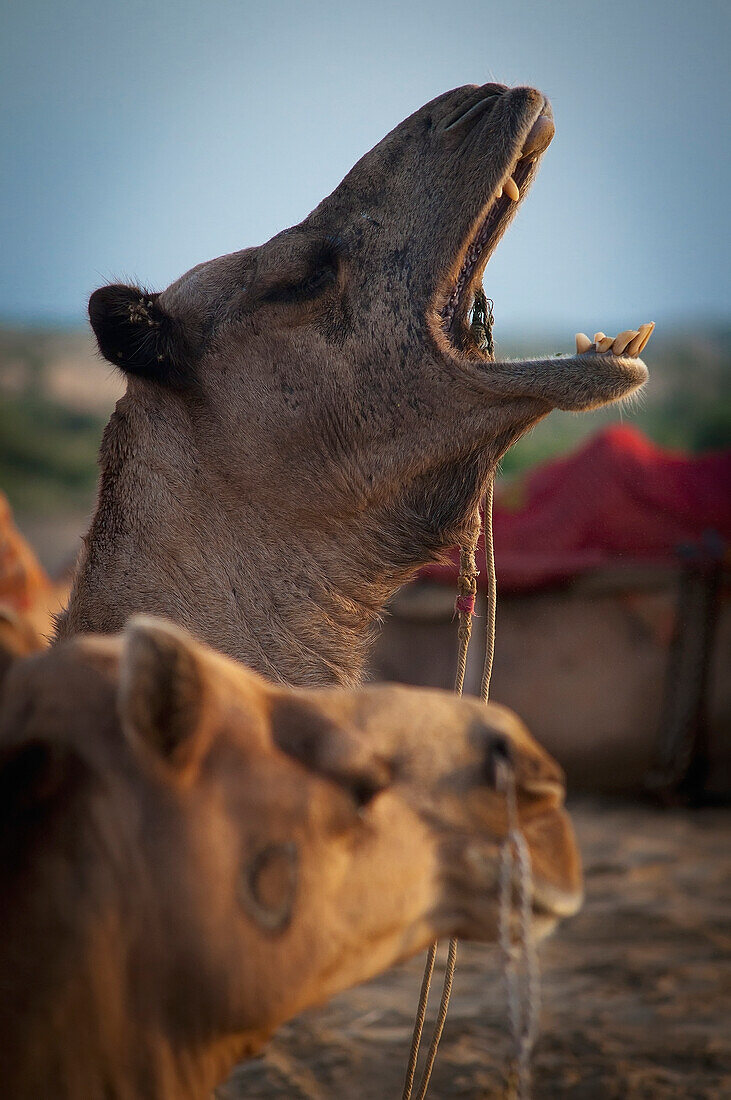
(319, 274)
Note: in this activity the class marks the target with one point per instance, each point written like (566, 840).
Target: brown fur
(302, 430)
(151, 788)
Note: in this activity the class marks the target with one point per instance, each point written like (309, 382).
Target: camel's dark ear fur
(137, 336)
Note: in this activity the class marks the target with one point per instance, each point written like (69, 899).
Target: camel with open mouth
(308, 422)
(192, 854)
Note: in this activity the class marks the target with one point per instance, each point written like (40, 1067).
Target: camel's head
(196, 852)
(342, 349)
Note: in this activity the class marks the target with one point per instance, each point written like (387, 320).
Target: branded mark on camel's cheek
(268, 886)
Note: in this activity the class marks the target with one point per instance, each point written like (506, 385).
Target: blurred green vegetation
(47, 453)
(48, 446)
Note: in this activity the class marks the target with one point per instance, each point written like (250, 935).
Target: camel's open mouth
(458, 308)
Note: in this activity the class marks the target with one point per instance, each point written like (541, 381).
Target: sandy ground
(636, 988)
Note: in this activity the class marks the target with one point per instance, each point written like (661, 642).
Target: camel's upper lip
(455, 302)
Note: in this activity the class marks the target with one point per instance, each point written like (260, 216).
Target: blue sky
(141, 138)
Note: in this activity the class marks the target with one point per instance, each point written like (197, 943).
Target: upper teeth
(472, 255)
(510, 188)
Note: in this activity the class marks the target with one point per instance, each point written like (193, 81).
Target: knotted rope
(522, 982)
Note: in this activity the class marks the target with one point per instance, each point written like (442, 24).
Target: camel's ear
(162, 695)
(135, 334)
(311, 736)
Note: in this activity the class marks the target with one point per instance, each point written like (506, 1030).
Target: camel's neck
(117, 1065)
(88, 1007)
(169, 538)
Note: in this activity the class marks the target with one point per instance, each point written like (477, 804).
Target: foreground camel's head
(191, 855)
(327, 397)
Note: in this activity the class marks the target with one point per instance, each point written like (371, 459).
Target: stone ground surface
(636, 988)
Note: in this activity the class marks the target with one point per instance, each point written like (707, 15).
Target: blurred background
(139, 140)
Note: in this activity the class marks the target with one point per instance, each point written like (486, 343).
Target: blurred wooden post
(681, 763)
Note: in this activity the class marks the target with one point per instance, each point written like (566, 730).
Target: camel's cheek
(366, 899)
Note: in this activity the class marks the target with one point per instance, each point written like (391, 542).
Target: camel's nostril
(499, 754)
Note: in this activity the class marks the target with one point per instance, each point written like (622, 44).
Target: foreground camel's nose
(540, 788)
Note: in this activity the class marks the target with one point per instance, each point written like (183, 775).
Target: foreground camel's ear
(313, 738)
(161, 695)
(135, 334)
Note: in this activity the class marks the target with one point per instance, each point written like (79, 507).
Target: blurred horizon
(145, 140)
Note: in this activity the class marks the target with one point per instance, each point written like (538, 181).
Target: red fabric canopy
(617, 500)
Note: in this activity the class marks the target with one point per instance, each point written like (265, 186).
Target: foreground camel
(190, 854)
(308, 422)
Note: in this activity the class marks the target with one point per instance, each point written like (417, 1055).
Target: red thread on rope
(465, 605)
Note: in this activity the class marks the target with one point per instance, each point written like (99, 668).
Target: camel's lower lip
(546, 913)
(549, 901)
